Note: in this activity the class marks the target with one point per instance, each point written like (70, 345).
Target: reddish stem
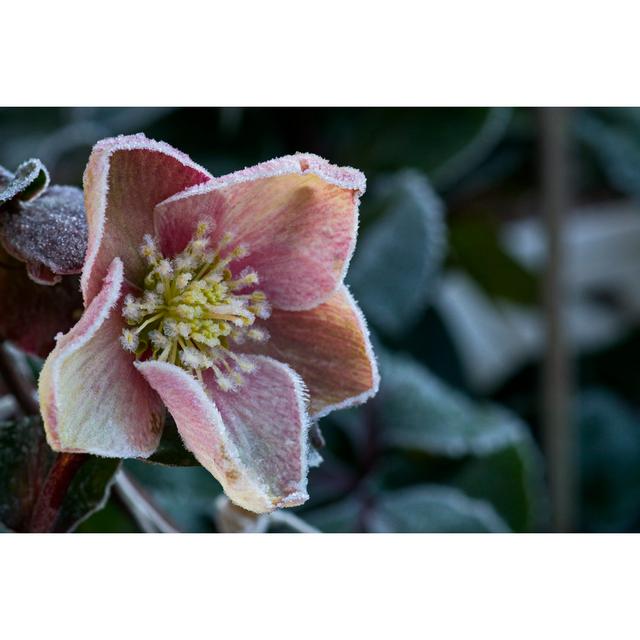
(47, 507)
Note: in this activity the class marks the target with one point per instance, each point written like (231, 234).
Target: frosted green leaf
(433, 509)
(420, 412)
(394, 270)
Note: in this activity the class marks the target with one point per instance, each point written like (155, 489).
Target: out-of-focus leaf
(493, 338)
(431, 341)
(478, 148)
(475, 247)
(186, 494)
(111, 519)
(286, 521)
(25, 465)
(511, 479)
(433, 509)
(613, 135)
(420, 412)
(499, 461)
(395, 267)
(447, 143)
(343, 516)
(35, 364)
(609, 454)
(171, 450)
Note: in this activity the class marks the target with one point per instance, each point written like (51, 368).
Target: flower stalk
(147, 516)
(50, 499)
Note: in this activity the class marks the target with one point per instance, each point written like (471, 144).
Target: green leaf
(498, 460)
(186, 494)
(420, 412)
(510, 479)
(431, 341)
(171, 450)
(340, 517)
(613, 136)
(609, 461)
(446, 143)
(111, 519)
(475, 248)
(433, 509)
(88, 492)
(25, 465)
(463, 162)
(397, 261)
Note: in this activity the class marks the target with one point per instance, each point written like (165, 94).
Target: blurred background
(498, 265)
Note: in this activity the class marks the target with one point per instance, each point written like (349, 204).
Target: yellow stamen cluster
(193, 308)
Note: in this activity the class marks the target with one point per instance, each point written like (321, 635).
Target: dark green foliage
(433, 509)
(171, 450)
(609, 461)
(26, 464)
(185, 494)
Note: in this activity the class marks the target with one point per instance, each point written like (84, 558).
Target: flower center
(193, 308)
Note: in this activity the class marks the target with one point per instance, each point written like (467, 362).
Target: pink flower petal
(254, 440)
(125, 178)
(91, 396)
(329, 347)
(297, 215)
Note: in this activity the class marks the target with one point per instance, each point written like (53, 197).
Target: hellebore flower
(43, 237)
(221, 299)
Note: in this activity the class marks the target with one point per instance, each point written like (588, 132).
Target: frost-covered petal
(125, 178)
(30, 180)
(92, 398)
(329, 347)
(32, 314)
(253, 441)
(296, 215)
(48, 233)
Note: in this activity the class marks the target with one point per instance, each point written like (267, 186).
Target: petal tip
(97, 192)
(292, 500)
(345, 177)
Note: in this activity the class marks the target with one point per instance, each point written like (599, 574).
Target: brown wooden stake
(559, 440)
